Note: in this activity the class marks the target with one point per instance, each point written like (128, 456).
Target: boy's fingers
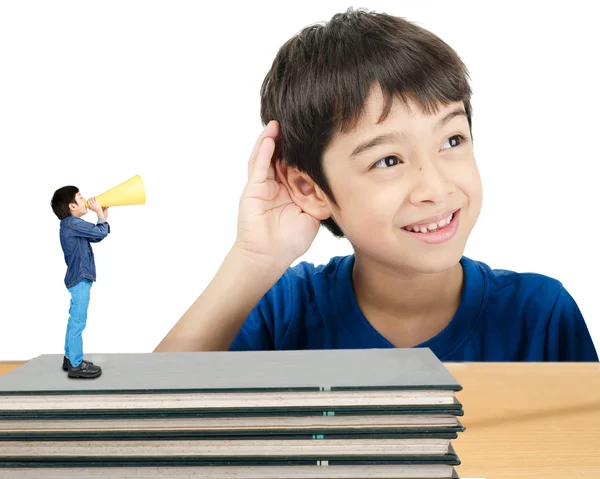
(262, 165)
(271, 130)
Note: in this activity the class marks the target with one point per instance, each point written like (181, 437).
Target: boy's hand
(95, 206)
(105, 212)
(272, 229)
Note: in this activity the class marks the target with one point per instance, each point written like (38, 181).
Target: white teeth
(431, 226)
(445, 222)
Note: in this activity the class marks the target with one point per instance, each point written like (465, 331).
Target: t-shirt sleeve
(269, 320)
(568, 336)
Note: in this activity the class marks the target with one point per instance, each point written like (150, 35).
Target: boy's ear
(72, 206)
(303, 191)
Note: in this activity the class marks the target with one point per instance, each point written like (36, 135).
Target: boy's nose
(430, 186)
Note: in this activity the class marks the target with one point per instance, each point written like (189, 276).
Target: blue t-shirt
(503, 316)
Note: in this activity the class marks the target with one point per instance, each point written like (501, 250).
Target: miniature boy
(76, 236)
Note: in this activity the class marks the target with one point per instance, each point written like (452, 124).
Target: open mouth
(425, 228)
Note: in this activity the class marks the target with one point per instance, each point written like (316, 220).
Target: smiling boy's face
(408, 190)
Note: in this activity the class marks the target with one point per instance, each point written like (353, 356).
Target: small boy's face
(408, 189)
(78, 209)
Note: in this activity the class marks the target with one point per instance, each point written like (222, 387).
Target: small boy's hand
(271, 227)
(105, 212)
(94, 205)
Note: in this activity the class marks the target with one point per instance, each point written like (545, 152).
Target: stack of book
(351, 414)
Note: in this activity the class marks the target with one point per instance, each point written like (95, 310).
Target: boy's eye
(387, 162)
(453, 141)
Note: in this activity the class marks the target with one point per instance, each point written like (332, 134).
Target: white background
(92, 93)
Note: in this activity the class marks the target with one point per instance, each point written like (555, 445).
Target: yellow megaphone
(130, 192)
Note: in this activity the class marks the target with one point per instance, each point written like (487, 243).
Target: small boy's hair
(61, 200)
(321, 77)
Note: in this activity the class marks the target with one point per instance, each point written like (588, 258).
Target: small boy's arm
(93, 232)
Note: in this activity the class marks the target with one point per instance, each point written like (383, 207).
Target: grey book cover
(250, 371)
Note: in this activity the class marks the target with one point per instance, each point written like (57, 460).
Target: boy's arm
(100, 221)
(85, 229)
(568, 336)
(272, 233)
(215, 318)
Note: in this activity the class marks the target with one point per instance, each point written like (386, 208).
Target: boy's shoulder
(71, 221)
(502, 281)
(526, 315)
(309, 277)
(530, 296)
(66, 225)
(305, 270)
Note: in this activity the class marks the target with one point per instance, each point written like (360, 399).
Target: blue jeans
(80, 300)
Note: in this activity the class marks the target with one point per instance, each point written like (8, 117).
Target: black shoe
(67, 363)
(85, 370)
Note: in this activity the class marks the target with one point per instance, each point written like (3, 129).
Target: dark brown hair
(61, 199)
(321, 77)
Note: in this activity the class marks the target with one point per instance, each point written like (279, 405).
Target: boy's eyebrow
(378, 140)
(400, 136)
(450, 116)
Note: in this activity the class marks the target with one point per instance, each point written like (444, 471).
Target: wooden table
(524, 420)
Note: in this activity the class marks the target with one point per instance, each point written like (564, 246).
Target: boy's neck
(407, 309)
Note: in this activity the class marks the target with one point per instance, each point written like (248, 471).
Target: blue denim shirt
(75, 238)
